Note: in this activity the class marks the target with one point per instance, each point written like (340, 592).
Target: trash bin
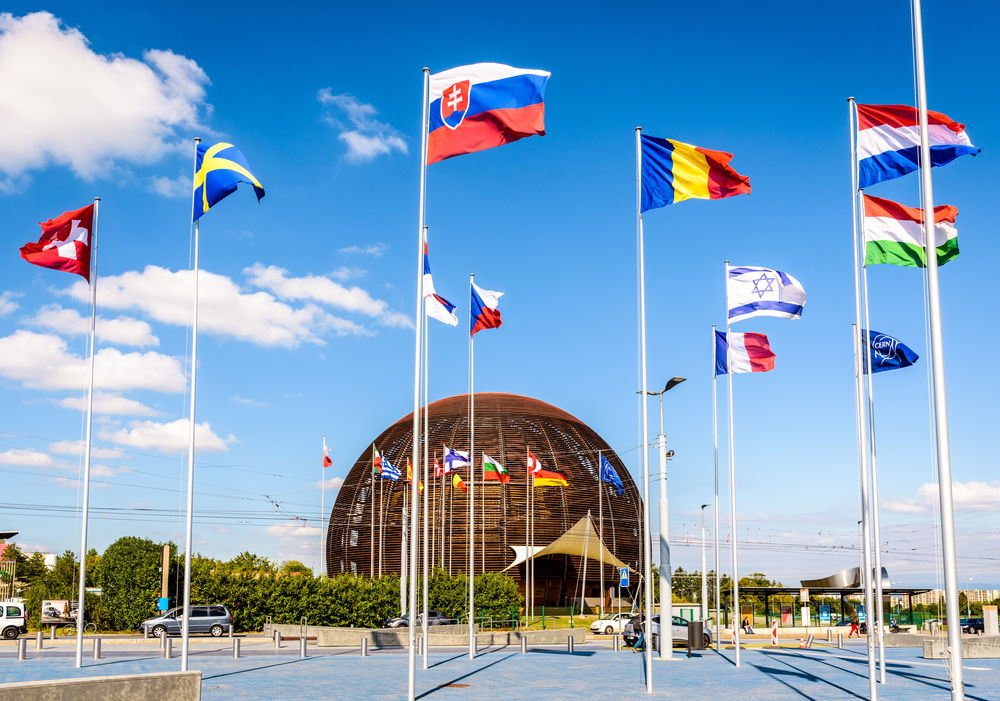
(696, 635)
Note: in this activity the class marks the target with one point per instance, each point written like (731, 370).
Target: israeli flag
(887, 353)
(609, 474)
(763, 292)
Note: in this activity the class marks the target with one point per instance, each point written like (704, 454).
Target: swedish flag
(221, 167)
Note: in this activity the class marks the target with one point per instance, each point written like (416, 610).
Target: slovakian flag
(894, 234)
(458, 483)
(327, 462)
(751, 353)
(436, 306)
(494, 471)
(477, 107)
(673, 172)
(887, 353)
(889, 141)
(485, 314)
(65, 243)
(754, 291)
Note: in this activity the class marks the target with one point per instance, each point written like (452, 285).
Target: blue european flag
(220, 168)
(608, 474)
(887, 353)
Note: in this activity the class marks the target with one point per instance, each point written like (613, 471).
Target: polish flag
(65, 243)
(327, 462)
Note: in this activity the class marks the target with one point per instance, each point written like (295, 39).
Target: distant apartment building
(975, 596)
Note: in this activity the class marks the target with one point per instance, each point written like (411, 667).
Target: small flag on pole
(389, 471)
(887, 353)
(609, 474)
(494, 471)
(327, 462)
(534, 465)
(438, 470)
(751, 353)
(409, 477)
(485, 314)
(453, 459)
(436, 306)
(548, 478)
(894, 234)
(754, 291)
(376, 461)
(673, 172)
(218, 170)
(458, 483)
(65, 243)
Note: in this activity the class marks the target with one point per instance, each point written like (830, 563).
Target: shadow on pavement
(466, 676)
(257, 669)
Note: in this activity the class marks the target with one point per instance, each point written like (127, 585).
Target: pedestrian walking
(854, 624)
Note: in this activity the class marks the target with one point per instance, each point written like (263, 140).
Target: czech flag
(751, 353)
(673, 172)
(485, 314)
(477, 107)
(889, 141)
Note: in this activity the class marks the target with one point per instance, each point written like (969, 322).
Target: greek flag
(389, 471)
(609, 474)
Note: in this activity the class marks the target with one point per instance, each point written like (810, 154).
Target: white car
(614, 623)
(680, 632)
(13, 622)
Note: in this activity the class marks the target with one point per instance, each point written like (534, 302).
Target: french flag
(751, 353)
(477, 107)
(485, 314)
(889, 141)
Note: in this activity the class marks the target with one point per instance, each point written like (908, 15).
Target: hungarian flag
(326, 454)
(376, 461)
(457, 483)
(533, 464)
(409, 477)
(494, 471)
(65, 243)
(546, 478)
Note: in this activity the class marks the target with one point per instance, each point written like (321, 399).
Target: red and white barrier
(774, 633)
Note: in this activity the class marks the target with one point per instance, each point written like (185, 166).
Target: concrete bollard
(420, 646)
(38, 640)
(364, 647)
(829, 635)
(524, 644)
(22, 648)
(475, 646)
(230, 630)
(569, 643)
(302, 647)
(236, 648)
(840, 640)
(277, 640)
(809, 642)
(97, 648)
(52, 633)
(145, 633)
(168, 648)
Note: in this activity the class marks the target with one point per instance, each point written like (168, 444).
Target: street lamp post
(666, 591)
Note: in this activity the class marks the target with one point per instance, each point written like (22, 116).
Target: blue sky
(307, 315)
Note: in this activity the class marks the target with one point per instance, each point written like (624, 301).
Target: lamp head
(673, 383)
(670, 455)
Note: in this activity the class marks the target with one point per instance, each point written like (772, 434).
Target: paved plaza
(593, 671)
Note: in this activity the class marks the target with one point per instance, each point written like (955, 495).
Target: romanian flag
(376, 461)
(673, 172)
(546, 478)
(457, 483)
(409, 477)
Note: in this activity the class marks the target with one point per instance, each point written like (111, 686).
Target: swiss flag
(533, 464)
(65, 243)
(438, 470)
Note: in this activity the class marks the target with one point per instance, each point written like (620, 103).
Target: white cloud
(323, 290)
(74, 483)
(178, 187)
(42, 361)
(248, 402)
(25, 457)
(366, 137)
(109, 403)
(168, 437)
(344, 273)
(76, 449)
(375, 249)
(223, 308)
(296, 539)
(332, 483)
(971, 495)
(123, 330)
(7, 303)
(66, 104)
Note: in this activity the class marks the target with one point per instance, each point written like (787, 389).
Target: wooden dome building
(366, 523)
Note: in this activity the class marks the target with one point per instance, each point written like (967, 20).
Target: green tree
(295, 567)
(129, 576)
(249, 563)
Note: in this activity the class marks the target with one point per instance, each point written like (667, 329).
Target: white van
(12, 620)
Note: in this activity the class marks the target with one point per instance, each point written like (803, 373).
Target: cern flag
(887, 353)
(763, 292)
(609, 474)
(389, 471)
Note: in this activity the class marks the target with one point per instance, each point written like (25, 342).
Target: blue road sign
(624, 577)
(162, 604)
(824, 615)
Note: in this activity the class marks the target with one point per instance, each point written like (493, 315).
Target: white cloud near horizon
(296, 539)
(168, 437)
(7, 303)
(31, 458)
(42, 361)
(224, 309)
(971, 495)
(75, 449)
(375, 249)
(67, 105)
(366, 137)
(178, 187)
(330, 484)
(344, 273)
(123, 330)
(109, 403)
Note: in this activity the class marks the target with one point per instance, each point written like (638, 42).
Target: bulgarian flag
(494, 471)
(376, 461)
(457, 483)
(894, 234)
(547, 478)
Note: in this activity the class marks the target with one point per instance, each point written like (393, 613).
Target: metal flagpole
(426, 481)
(937, 366)
(372, 495)
(586, 551)
(85, 515)
(600, 520)
(873, 506)
(646, 544)
(322, 506)
(715, 438)
(472, 490)
(732, 483)
(666, 585)
(530, 486)
(704, 573)
(411, 673)
(189, 533)
(404, 568)
(381, 523)
(866, 569)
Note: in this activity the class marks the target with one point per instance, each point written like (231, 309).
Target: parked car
(614, 623)
(973, 625)
(434, 618)
(214, 620)
(680, 633)
(12, 620)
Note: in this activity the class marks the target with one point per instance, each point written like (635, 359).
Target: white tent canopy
(580, 540)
